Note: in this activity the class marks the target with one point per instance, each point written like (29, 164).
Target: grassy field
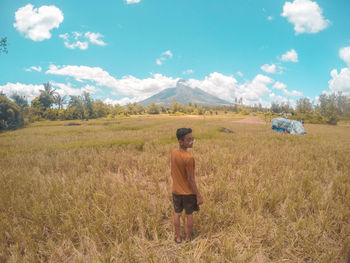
(101, 192)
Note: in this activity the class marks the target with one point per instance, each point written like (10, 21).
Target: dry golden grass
(101, 192)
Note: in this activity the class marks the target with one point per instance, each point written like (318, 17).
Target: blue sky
(124, 51)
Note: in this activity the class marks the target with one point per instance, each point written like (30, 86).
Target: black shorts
(189, 202)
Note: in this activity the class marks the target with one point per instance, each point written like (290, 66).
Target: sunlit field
(101, 192)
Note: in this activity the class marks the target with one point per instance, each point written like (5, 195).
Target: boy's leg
(177, 226)
(189, 225)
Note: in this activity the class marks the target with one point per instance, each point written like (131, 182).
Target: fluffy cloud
(67, 90)
(283, 87)
(77, 44)
(344, 54)
(258, 87)
(293, 93)
(340, 81)
(133, 1)
(269, 68)
(291, 56)
(217, 84)
(81, 41)
(94, 38)
(29, 91)
(131, 89)
(164, 56)
(81, 73)
(305, 15)
(279, 86)
(36, 23)
(144, 88)
(122, 101)
(34, 68)
(227, 88)
(128, 85)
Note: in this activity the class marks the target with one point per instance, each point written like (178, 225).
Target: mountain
(184, 95)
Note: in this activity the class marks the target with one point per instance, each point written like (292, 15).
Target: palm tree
(47, 95)
(60, 101)
(48, 90)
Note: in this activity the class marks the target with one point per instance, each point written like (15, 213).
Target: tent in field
(286, 125)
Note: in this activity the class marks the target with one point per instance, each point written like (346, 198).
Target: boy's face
(187, 141)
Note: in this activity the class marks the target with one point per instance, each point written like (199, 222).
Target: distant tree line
(50, 105)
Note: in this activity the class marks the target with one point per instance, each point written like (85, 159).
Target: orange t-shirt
(181, 163)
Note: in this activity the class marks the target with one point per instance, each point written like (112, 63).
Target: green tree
(19, 100)
(153, 108)
(177, 107)
(3, 45)
(75, 109)
(99, 109)
(329, 108)
(46, 97)
(130, 109)
(60, 101)
(304, 106)
(139, 109)
(11, 116)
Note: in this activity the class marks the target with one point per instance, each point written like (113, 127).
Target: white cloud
(279, 86)
(283, 87)
(293, 93)
(127, 85)
(133, 1)
(217, 84)
(240, 74)
(291, 56)
(340, 81)
(269, 68)
(269, 18)
(81, 40)
(134, 89)
(67, 90)
(121, 102)
(34, 68)
(305, 15)
(188, 72)
(257, 88)
(36, 23)
(144, 88)
(167, 53)
(29, 91)
(227, 88)
(94, 38)
(344, 54)
(81, 73)
(164, 56)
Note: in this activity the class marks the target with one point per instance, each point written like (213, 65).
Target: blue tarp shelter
(286, 125)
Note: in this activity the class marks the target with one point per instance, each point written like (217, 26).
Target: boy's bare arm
(192, 181)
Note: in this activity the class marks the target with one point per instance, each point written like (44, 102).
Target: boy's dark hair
(182, 132)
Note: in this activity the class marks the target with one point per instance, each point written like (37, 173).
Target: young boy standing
(185, 192)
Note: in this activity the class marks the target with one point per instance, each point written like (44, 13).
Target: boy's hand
(199, 200)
